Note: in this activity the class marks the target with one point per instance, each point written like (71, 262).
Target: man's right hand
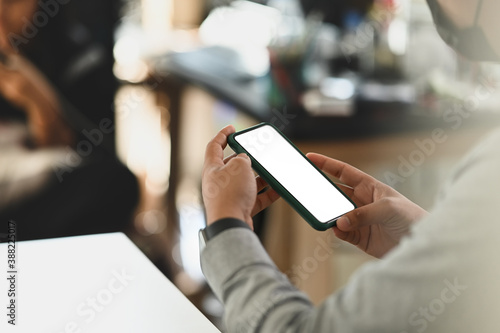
(383, 215)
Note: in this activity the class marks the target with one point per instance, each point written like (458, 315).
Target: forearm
(382, 297)
(248, 283)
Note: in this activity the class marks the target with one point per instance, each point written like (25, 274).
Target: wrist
(218, 227)
(219, 214)
(211, 219)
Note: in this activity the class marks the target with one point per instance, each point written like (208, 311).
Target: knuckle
(378, 187)
(357, 216)
(207, 147)
(389, 202)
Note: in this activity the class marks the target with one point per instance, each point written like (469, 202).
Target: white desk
(99, 283)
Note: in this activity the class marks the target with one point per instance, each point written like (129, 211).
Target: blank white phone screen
(295, 173)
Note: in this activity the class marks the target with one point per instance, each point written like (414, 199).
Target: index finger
(214, 154)
(346, 173)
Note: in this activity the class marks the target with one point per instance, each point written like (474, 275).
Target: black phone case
(292, 201)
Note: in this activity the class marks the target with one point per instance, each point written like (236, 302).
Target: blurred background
(368, 82)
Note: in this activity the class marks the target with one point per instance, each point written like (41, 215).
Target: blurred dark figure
(59, 175)
(337, 12)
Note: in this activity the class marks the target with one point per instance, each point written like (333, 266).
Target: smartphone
(288, 171)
